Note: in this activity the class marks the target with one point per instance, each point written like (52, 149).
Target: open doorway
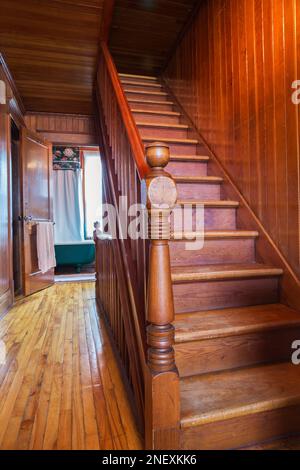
(77, 182)
(16, 209)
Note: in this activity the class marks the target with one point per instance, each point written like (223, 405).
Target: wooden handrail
(119, 146)
(129, 123)
(134, 286)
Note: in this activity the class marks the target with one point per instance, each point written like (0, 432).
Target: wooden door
(36, 172)
(6, 283)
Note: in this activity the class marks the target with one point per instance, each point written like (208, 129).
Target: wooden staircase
(233, 337)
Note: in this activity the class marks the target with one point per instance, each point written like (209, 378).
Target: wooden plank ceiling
(143, 32)
(51, 49)
(51, 46)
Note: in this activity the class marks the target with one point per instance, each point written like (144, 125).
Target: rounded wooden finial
(157, 154)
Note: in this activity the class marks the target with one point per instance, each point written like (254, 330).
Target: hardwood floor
(60, 387)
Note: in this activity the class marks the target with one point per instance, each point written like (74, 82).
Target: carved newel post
(162, 381)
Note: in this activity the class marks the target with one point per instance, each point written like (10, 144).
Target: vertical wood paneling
(6, 293)
(233, 72)
(63, 128)
(4, 197)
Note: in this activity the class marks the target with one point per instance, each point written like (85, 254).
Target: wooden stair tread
(136, 100)
(223, 272)
(127, 81)
(146, 92)
(219, 234)
(170, 140)
(198, 179)
(162, 124)
(287, 443)
(233, 321)
(130, 75)
(210, 204)
(151, 111)
(189, 158)
(222, 396)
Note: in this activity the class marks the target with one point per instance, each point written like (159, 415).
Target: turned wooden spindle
(162, 381)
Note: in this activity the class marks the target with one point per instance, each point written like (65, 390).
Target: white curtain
(68, 206)
(93, 190)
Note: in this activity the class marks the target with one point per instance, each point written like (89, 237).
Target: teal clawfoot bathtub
(75, 254)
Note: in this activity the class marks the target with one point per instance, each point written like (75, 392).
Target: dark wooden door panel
(37, 206)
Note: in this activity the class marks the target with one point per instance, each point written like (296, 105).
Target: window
(92, 190)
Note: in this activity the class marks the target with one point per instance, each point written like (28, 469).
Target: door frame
(18, 126)
(7, 297)
(13, 109)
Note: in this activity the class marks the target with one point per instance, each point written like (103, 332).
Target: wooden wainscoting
(65, 129)
(6, 275)
(6, 291)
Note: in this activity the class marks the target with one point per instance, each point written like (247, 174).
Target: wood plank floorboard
(60, 386)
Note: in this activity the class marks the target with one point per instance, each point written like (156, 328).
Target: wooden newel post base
(162, 401)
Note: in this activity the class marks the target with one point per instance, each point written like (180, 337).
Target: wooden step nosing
(225, 275)
(146, 77)
(146, 92)
(189, 158)
(218, 235)
(239, 411)
(170, 140)
(130, 100)
(163, 125)
(222, 204)
(152, 111)
(198, 179)
(225, 332)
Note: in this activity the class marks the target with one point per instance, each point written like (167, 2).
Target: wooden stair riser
(213, 252)
(230, 352)
(187, 168)
(242, 431)
(183, 149)
(162, 132)
(146, 96)
(134, 103)
(196, 191)
(214, 219)
(161, 118)
(201, 296)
